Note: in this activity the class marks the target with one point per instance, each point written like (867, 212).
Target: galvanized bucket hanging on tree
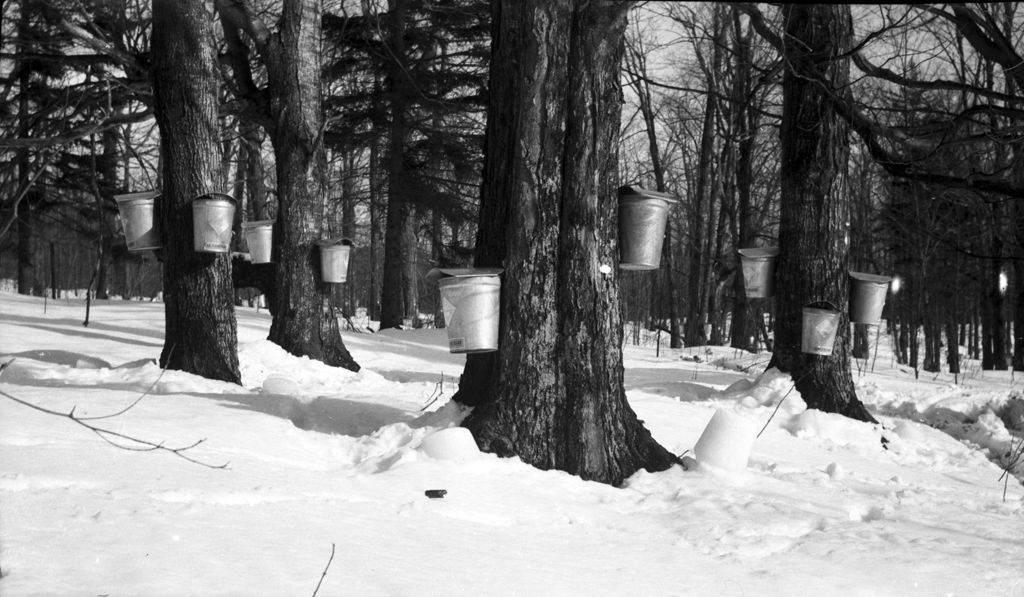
(471, 299)
(212, 217)
(259, 236)
(867, 297)
(137, 213)
(820, 324)
(758, 266)
(643, 216)
(334, 257)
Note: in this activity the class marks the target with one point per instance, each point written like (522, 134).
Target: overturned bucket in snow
(471, 299)
(259, 236)
(820, 324)
(334, 257)
(137, 212)
(758, 265)
(867, 297)
(643, 216)
(212, 217)
(726, 442)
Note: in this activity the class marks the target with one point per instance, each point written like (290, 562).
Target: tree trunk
(410, 270)
(305, 322)
(29, 281)
(861, 346)
(251, 164)
(377, 217)
(553, 395)
(694, 330)
(953, 352)
(665, 279)
(995, 293)
(200, 334)
(741, 336)
(814, 213)
(393, 290)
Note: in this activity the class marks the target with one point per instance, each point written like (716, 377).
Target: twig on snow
(436, 394)
(1013, 457)
(324, 575)
(109, 436)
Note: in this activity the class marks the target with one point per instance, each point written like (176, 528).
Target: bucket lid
(215, 197)
(873, 278)
(330, 242)
(759, 252)
(257, 223)
(445, 272)
(640, 192)
(134, 196)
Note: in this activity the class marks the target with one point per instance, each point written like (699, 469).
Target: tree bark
(200, 335)
(553, 394)
(741, 336)
(305, 323)
(393, 289)
(814, 214)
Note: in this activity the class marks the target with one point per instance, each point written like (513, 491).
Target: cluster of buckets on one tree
(213, 216)
(820, 320)
(471, 297)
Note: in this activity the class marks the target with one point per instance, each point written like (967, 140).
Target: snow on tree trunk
(553, 395)
(200, 335)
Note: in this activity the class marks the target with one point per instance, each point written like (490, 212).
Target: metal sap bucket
(212, 217)
(758, 265)
(819, 330)
(259, 236)
(471, 299)
(136, 211)
(726, 441)
(643, 216)
(334, 255)
(867, 297)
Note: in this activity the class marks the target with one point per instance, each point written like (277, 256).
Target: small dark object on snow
(436, 493)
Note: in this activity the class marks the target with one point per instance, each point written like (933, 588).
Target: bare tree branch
(134, 444)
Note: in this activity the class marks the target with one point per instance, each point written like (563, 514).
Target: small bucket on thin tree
(136, 211)
(758, 265)
(643, 216)
(259, 236)
(867, 297)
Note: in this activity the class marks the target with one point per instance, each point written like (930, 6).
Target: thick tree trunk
(200, 332)
(305, 322)
(814, 214)
(553, 395)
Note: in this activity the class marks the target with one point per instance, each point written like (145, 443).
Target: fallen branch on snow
(135, 444)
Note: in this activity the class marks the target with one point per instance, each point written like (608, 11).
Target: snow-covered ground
(321, 459)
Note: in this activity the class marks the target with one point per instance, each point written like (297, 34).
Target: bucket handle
(822, 305)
